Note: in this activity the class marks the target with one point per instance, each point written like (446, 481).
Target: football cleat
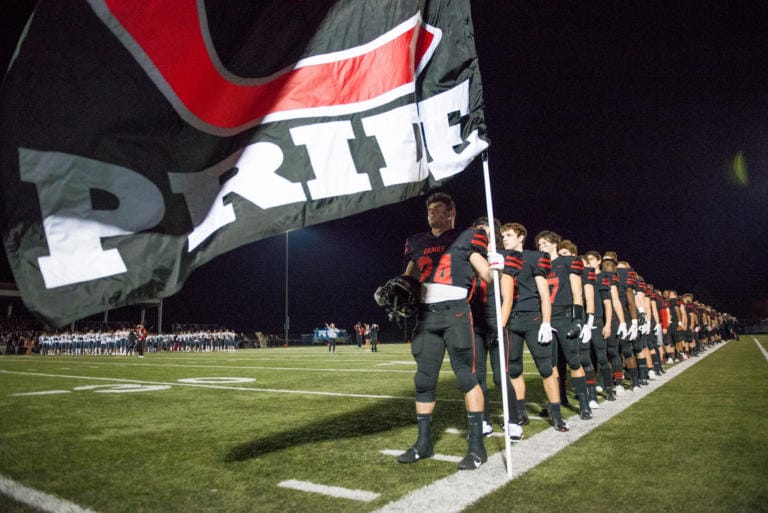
(610, 395)
(594, 405)
(473, 460)
(413, 455)
(585, 413)
(514, 432)
(560, 425)
(487, 429)
(524, 420)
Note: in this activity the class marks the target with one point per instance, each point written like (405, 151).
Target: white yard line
(762, 349)
(333, 491)
(456, 492)
(37, 499)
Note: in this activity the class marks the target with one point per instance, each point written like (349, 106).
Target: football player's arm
(589, 299)
(608, 318)
(412, 270)
(546, 303)
(640, 301)
(507, 297)
(481, 267)
(631, 306)
(578, 298)
(655, 312)
(682, 317)
(617, 304)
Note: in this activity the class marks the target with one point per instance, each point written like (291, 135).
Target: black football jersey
(535, 263)
(604, 281)
(444, 259)
(627, 280)
(560, 292)
(589, 277)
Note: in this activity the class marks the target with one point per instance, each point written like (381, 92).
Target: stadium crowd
(119, 342)
(25, 337)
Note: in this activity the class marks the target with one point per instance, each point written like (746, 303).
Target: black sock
(424, 441)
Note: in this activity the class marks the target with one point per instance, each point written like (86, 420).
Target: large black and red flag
(141, 138)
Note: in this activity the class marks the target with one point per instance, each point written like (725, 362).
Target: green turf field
(240, 432)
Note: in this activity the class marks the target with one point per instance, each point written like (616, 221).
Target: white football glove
(645, 328)
(496, 261)
(622, 333)
(586, 331)
(657, 330)
(633, 330)
(545, 333)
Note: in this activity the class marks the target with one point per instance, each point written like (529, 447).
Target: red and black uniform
(525, 320)
(561, 296)
(605, 280)
(642, 340)
(444, 325)
(594, 355)
(564, 312)
(675, 308)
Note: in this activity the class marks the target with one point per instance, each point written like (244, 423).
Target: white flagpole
(497, 304)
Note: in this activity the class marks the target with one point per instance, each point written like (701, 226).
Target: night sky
(616, 126)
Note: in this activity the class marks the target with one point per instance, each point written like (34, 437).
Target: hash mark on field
(333, 491)
(438, 457)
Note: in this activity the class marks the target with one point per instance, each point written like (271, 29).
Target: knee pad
(516, 369)
(545, 367)
(465, 380)
(425, 387)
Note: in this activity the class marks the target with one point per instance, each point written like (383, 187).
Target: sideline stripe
(38, 500)
(762, 349)
(456, 492)
(333, 491)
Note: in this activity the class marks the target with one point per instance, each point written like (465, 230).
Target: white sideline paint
(762, 349)
(333, 491)
(438, 457)
(36, 499)
(456, 492)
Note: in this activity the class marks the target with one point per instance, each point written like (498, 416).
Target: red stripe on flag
(170, 33)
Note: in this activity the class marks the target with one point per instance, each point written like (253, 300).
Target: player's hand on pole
(496, 261)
